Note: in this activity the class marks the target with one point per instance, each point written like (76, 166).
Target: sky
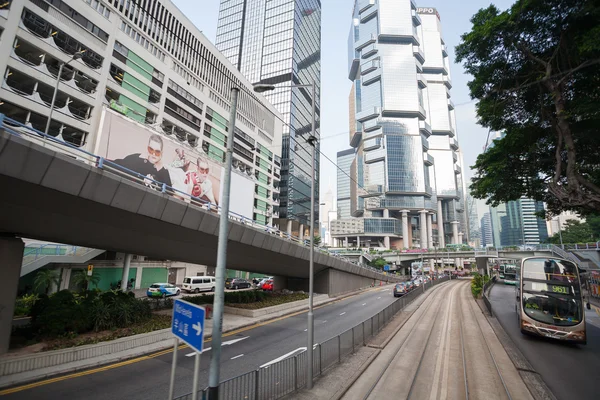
(335, 87)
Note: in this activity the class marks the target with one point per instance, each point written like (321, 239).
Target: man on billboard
(199, 185)
(149, 164)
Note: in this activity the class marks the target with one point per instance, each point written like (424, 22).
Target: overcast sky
(335, 86)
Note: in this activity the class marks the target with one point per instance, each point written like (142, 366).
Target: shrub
(477, 284)
(58, 314)
(24, 304)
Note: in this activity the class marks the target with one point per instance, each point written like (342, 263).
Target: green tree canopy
(82, 279)
(536, 70)
(575, 232)
(45, 278)
(378, 263)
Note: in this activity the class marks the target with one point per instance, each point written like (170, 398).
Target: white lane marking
(324, 321)
(192, 354)
(227, 343)
(283, 357)
(241, 355)
(364, 304)
(305, 329)
(378, 298)
(343, 313)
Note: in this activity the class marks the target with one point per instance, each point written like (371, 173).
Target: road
(148, 377)
(568, 370)
(445, 350)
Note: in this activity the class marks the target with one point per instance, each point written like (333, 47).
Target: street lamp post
(312, 140)
(75, 56)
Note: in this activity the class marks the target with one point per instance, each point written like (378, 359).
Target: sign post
(90, 270)
(187, 325)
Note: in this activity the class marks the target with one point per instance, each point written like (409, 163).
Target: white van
(197, 284)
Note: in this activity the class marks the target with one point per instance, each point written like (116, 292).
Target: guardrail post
(295, 374)
(256, 383)
(320, 360)
(352, 340)
(364, 340)
(164, 187)
(100, 162)
(339, 349)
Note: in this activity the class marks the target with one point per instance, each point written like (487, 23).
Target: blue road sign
(386, 267)
(188, 324)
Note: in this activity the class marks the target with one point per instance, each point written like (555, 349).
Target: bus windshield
(551, 293)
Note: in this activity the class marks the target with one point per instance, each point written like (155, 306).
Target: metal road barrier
(18, 129)
(289, 375)
(485, 297)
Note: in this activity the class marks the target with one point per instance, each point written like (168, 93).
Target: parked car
(268, 286)
(162, 290)
(263, 281)
(197, 284)
(400, 289)
(236, 283)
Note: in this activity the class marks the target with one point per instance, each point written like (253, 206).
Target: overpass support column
(460, 237)
(429, 230)
(279, 283)
(301, 232)
(481, 263)
(358, 242)
(11, 258)
(423, 228)
(440, 225)
(405, 229)
(125, 276)
(454, 232)
(386, 242)
(289, 227)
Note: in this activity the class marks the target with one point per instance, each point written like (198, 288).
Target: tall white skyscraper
(409, 185)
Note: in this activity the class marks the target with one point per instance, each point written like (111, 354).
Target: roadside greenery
(44, 279)
(250, 299)
(24, 304)
(578, 232)
(477, 284)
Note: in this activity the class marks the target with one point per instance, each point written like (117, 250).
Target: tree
(574, 232)
(378, 263)
(317, 240)
(536, 70)
(81, 278)
(44, 279)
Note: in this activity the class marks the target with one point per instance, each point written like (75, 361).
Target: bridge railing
(16, 128)
(31, 254)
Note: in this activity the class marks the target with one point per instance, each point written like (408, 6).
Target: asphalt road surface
(570, 371)
(247, 350)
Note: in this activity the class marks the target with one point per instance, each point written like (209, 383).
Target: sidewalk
(15, 370)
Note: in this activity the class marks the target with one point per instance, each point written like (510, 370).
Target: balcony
(369, 66)
(425, 128)
(415, 17)
(424, 143)
(372, 144)
(369, 51)
(447, 81)
(428, 159)
(453, 143)
(450, 104)
(419, 54)
(374, 156)
(371, 77)
(457, 169)
(368, 12)
(454, 157)
(444, 50)
(364, 42)
(371, 125)
(422, 81)
(368, 114)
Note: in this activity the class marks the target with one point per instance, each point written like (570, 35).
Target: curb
(147, 351)
(340, 393)
(532, 379)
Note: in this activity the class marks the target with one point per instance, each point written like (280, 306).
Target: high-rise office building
(147, 71)
(279, 43)
(408, 166)
(516, 224)
(344, 182)
(487, 239)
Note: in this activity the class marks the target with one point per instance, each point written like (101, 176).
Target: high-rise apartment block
(407, 165)
(279, 43)
(145, 70)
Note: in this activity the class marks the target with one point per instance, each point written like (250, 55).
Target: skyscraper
(344, 162)
(279, 43)
(407, 163)
(486, 230)
(515, 223)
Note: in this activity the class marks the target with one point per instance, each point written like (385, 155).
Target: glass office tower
(278, 42)
(408, 160)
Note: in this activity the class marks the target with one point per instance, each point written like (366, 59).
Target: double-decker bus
(510, 274)
(549, 299)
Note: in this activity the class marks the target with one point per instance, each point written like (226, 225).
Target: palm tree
(81, 278)
(45, 278)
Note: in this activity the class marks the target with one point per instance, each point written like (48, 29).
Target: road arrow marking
(241, 355)
(343, 313)
(229, 342)
(198, 328)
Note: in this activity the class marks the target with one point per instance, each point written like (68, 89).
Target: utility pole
(215, 361)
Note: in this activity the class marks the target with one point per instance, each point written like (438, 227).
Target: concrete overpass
(51, 196)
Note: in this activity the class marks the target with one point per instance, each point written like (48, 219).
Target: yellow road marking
(157, 354)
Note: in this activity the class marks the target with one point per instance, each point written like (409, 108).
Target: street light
(312, 140)
(562, 246)
(75, 56)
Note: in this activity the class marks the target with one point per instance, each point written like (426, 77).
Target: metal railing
(289, 375)
(485, 297)
(19, 129)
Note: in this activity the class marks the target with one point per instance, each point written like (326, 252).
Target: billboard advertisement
(164, 159)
